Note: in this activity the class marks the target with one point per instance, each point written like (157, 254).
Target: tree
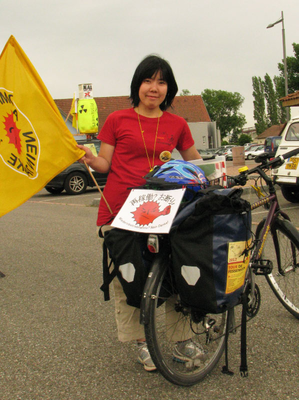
(266, 90)
(262, 90)
(293, 72)
(243, 139)
(234, 137)
(223, 107)
(185, 92)
(272, 101)
(259, 112)
(279, 87)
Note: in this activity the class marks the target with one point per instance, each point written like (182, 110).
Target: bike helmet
(178, 173)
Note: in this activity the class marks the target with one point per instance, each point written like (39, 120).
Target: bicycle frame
(272, 214)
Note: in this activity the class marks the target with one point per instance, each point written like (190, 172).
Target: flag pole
(73, 102)
(99, 189)
(76, 114)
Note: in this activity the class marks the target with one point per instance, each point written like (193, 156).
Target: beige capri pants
(128, 317)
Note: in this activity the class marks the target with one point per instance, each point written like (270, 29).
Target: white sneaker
(189, 351)
(144, 357)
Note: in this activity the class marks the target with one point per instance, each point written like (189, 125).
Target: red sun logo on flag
(19, 143)
(13, 132)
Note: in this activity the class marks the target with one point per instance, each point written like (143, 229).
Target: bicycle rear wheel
(282, 248)
(171, 322)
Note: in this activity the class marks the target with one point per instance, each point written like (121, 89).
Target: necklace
(151, 166)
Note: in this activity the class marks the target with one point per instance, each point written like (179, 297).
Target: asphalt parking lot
(58, 336)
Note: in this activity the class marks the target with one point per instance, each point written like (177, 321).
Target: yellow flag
(35, 143)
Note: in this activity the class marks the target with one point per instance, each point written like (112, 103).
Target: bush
(244, 139)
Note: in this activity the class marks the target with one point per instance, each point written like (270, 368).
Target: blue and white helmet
(182, 173)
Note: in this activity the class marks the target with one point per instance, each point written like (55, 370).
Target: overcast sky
(210, 44)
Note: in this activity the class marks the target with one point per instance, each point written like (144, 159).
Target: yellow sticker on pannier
(237, 264)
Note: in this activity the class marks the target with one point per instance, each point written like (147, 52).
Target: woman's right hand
(88, 157)
(100, 163)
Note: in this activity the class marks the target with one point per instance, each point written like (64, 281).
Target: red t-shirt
(129, 160)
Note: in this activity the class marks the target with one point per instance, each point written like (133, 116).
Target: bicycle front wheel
(282, 249)
(170, 325)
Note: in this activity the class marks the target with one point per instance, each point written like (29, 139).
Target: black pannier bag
(209, 244)
(131, 263)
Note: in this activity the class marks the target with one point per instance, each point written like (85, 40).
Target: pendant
(165, 156)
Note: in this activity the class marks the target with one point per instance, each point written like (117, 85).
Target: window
(293, 132)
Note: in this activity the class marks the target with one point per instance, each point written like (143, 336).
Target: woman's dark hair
(148, 68)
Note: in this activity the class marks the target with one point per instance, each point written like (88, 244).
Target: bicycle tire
(284, 278)
(161, 336)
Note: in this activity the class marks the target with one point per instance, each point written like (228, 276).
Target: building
(191, 108)
(251, 131)
(274, 130)
(291, 100)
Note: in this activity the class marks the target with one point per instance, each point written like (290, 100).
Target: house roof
(291, 100)
(191, 108)
(274, 130)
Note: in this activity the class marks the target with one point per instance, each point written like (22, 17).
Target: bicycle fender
(289, 228)
(160, 263)
(285, 225)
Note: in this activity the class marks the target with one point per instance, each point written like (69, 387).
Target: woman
(133, 141)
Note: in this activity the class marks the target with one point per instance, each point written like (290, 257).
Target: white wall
(205, 135)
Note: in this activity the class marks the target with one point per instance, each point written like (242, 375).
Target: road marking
(60, 204)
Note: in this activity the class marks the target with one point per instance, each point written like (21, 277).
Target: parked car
(271, 144)
(287, 176)
(218, 151)
(206, 154)
(248, 145)
(254, 151)
(228, 153)
(75, 179)
(252, 145)
(221, 151)
(214, 151)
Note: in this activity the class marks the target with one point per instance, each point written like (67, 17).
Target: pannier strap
(225, 369)
(107, 275)
(243, 366)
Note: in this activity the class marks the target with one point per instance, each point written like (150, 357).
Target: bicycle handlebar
(242, 178)
(290, 153)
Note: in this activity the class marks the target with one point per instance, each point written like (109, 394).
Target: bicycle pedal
(262, 267)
